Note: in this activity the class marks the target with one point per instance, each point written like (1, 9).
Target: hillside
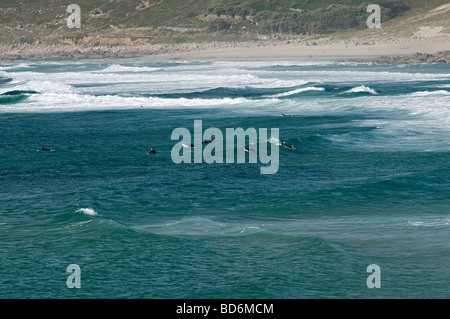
(138, 22)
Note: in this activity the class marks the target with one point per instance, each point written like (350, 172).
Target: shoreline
(319, 50)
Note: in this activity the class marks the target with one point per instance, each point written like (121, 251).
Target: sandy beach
(425, 40)
(322, 51)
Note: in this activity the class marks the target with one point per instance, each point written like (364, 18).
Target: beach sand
(425, 40)
(323, 51)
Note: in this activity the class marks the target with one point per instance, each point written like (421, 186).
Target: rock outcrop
(416, 58)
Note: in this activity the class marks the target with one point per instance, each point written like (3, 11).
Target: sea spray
(87, 211)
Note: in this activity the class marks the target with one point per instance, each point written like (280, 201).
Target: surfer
(286, 145)
(285, 114)
(152, 151)
(205, 142)
(46, 149)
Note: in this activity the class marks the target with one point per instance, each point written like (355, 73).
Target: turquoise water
(367, 182)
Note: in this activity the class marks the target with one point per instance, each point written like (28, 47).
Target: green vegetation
(179, 21)
(231, 11)
(335, 17)
(219, 25)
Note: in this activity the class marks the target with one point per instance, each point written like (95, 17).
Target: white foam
(50, 102)
(277, 83)
(296, 91)
(16, 66)
(32, 81)
(121, 68)
(274, 140)
(250, 228)
(362, 89)
(48, 87)
(87, 211)
(75, 225)
(353, 75)
(428, 93)
(151, 81)
(120, 86)
(263, 64)
(187, 80)
(432, 223)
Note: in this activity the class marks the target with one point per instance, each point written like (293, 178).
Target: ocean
(367, 182)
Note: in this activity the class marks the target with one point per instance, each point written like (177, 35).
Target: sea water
(367, 182)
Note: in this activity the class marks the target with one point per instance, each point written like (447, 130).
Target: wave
(56, 102)
(297, 91)
(360, 89)
(31, 81)
(430, 93)
(12, 67)
(157, 81)
(87, 211)
(432, 223)
(48, 87)
(198, 226)
(78, 224)
(220, 92)
(12, 97)
(4, 80)
(233, 92)
(18, 92)
(445, 86)
(121, 68)
(10, 84)
(217, 85)
(268, 83)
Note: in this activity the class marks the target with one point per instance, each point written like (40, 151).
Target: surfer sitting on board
(152, 151)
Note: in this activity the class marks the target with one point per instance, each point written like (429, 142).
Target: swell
(4, 80)
(230, 92)
(16, 96)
